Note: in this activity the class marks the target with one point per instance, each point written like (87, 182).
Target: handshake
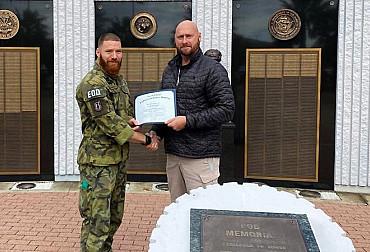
(152, 141)
(149, 140)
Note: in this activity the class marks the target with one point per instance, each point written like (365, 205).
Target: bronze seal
(284, 24)
(9, 24)
(143, 25)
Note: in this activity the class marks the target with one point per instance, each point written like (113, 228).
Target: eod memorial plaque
(237, 231)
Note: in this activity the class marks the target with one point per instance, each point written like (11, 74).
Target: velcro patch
(95, 93)
(98, 107)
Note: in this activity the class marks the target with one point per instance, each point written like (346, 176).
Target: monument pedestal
(172, 233)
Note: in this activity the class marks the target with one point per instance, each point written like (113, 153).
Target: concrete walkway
(48, 219)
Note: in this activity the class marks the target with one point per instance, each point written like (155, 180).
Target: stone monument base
(172, 233)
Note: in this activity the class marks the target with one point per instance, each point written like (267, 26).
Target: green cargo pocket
(85, 199)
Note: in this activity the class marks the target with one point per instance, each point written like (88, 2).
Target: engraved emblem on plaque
(9, 24)
(143, 25)
(284, 24)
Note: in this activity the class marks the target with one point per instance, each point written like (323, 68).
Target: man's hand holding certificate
(155, 106)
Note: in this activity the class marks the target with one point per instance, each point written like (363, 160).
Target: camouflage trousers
(101, 203)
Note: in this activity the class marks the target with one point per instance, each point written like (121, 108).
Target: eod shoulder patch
(95, 93)
(96, 98)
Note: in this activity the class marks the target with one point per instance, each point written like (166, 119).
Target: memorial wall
(284, 84)
(323, 144)
(26, 90)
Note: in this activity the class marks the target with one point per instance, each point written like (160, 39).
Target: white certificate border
(156, 91)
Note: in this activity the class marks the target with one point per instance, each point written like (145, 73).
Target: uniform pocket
(212, 172)
(84, 202)
(85, 195)
(103, 153)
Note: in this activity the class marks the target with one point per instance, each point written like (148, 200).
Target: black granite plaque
(237, 231)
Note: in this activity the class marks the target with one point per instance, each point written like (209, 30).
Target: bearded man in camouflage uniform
(107, 127)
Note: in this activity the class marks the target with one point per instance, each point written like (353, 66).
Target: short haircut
(108, 37)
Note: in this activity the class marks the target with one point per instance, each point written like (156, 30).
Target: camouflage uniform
(105, 111)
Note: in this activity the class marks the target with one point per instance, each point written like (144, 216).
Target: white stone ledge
(352, 189)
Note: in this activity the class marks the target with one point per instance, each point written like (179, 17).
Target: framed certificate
(155, 107)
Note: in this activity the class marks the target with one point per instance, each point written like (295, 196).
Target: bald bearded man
(204, 101)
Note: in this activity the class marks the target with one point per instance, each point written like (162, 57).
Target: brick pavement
(353, 218)
(43, 221)
(49, 221)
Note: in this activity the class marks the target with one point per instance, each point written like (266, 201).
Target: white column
(352, 172)
(214, 21)
(74, 42)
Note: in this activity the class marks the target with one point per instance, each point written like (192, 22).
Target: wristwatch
(148, 140)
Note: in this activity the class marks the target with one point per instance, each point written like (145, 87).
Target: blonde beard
(192, 51)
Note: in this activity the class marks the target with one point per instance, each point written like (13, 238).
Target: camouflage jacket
(105, 110)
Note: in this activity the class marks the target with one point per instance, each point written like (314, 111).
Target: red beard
(110, 67)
